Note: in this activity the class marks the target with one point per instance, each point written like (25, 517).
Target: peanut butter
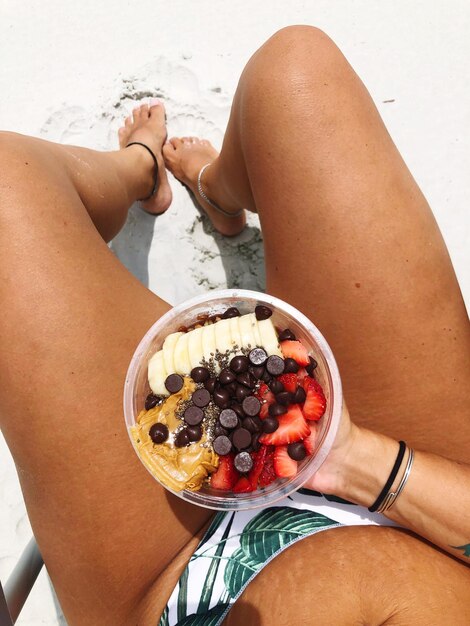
(177, 468)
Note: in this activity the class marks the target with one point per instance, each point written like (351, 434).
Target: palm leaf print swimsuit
(237, 545)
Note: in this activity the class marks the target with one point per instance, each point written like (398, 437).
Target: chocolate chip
(193, 415)
(299, 396)
(262, 312)
(241, 438)
(270, 424)
(257, 371)
(239, 364)
(266, 378)
(275, 365)
(194, 432)
(251, 406)
(174, 382)
(182, 439)
(222, 398)
(277, 409)
(228, 418)
(222, 445)
(290, 366)
(150, 401)
(246, 379)
(276, 386)
(311, 366)
(242, 393)
(238, 409)
(158, 433)
(284, 398)
(286, 334)
(219, 430)
(255, 444)
(199, 374)
(201, 397)
(231, 312)
(226, 376)
(257, 356)
(243, 462)
(232, 388)
(297, 451)
(251, 424)
(209, 384)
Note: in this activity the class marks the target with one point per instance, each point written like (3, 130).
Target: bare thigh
(72, 316)
(351, 241)
(358, 575)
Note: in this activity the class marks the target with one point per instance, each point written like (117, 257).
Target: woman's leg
(72, 316)
(350, 240)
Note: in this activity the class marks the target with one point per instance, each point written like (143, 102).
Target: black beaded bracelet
(391, 478)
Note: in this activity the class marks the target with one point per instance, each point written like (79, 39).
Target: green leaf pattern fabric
(236, 546)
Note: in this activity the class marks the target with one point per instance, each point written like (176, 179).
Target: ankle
(214, 188)
(138, 170)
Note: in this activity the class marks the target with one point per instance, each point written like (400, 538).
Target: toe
(176, 142)
(144, 111)
(128, 121)
(157, 111)
(136, 113)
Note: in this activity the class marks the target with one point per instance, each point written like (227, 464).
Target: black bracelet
(391, 478)
(139, 143)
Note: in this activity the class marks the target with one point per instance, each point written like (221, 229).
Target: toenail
(154, 102)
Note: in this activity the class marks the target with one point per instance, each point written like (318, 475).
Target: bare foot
(184, 158)
(147, 124)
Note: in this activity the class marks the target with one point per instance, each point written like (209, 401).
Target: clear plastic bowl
(284, 315)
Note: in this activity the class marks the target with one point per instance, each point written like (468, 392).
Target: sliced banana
(223, 337)
(195, 346)
(168, 352)
(183, 351)
(268, 337)
(208, 341)
(247, 325)
(181, 356)
(235, 333)
(157, 374)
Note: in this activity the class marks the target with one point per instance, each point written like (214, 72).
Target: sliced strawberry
(311, 383)
(226, 475)
(292, 427)
(284, 466)
(268, 475)
(266, 397)
(301, 374)
(258, 464)
(243, 485)
(295, 350)
(289, 381)
(314, 405)
(310, 441)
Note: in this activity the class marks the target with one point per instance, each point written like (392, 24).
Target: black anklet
(138, 143)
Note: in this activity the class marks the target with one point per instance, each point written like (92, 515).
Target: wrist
(365, 466)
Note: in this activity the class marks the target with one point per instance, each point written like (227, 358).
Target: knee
(306, 46)
(296, 54)
(300, 36)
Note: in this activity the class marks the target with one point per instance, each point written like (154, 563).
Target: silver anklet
(206, 199)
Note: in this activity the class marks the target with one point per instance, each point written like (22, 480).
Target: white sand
(70, 71)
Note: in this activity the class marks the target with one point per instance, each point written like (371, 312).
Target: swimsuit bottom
(237, 545)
